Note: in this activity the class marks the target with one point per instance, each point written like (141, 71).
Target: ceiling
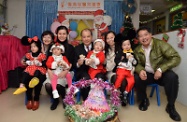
(160, 6)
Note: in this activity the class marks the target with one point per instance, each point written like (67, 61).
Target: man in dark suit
(81, 52)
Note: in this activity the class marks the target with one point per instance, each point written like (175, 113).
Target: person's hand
(80, 62)
(62, 74)
(130, 56)
(91, 61)
(23, 62)
(37, 63)
(157, 75)
(61, 63)
(29, 62)
(143, 75)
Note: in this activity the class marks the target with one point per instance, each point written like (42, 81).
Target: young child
(34, 69)
(57, 63)
(95, 59)
(125, 62)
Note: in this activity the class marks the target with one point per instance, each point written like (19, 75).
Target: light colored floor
(12, 109)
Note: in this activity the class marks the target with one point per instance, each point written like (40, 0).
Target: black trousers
(84, 91)
(169, 81)
(37, 89)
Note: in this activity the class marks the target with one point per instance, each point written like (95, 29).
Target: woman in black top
(62, 35)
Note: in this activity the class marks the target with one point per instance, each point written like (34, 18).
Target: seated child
(95, 59)
(57, 63)
(34, 68)
(125, 62)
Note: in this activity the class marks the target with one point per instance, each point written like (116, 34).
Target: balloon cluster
(71, 25)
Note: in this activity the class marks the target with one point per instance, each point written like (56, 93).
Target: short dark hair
(143, 28)
(87, 29)
(47, 33)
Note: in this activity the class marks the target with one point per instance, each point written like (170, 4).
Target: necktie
(88, 49)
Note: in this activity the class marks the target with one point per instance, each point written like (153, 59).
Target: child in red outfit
(57, 63)
(95, 59)
(34, 64)
(34, 74)
(125, 62)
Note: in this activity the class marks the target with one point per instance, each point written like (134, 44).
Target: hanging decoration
(129, 6)
(181, 34)
(165, 37)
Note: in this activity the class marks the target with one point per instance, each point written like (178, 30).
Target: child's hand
(23, 62)
(129, 56)
(29, 62)
(37, 63)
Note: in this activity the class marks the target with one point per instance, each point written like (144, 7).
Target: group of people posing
(54, 64)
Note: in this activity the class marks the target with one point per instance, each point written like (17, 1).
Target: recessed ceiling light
(152, 10)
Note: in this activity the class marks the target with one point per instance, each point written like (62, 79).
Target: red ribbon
(35, 38)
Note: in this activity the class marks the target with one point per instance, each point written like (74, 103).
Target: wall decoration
(165, 37)
(129, 6)
(181, 34)
(80, 5)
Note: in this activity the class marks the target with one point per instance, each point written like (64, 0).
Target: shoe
(55, 94)
(54, 104)
(173, 113)
(29, 105)
(123, 103)
(35, 105)
(20, 90)
(125, 97)
(144, 104)
(34, 81)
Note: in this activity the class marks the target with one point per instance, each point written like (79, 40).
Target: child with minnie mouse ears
(34, 73)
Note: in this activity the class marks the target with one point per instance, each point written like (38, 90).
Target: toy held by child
(95, 59)
(125, 62)
(34, 68)
(57, 63)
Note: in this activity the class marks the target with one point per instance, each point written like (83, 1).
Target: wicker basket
(115, 119)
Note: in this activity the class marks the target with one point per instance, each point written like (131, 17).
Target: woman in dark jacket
(62, 35)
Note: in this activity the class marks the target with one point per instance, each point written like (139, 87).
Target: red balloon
(61, 18)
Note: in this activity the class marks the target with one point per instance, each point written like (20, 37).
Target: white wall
(16, 16)
(182, 68)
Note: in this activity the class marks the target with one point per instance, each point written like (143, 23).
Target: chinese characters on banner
(80, 5)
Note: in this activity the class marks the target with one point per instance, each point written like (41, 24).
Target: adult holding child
(62, 35)
(111, 49)
(81, 52)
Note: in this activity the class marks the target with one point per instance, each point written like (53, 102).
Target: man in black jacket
(81, 51)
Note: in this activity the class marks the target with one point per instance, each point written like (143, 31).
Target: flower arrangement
(91, 112)
(114, 97)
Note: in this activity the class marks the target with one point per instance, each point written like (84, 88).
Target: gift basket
(97, 107)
